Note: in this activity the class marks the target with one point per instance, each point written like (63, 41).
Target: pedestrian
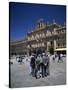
(60, 58)
(61, 55)
(44, 65)
(32, 65)
(48, 65)
(53, 58)
(37, 67)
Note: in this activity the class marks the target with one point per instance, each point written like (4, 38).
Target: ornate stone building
(42, 39)
(18, 47)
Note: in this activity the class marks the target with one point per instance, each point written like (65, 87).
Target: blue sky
(23, 17)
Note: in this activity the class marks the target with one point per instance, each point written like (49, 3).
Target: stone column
(48, 44)
(54, 45)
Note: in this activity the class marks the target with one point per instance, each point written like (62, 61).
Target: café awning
(60, 49)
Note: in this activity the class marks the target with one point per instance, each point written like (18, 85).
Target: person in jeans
(32, 64)
(48, 65)
(37, 67)
(44, 65)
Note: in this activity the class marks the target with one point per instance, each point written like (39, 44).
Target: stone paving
(20, 75)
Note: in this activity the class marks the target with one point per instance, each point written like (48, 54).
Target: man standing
(60, 58)
(48, 65)
(32, 64)
(45, 61)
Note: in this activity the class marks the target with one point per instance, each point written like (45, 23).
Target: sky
(23, 17)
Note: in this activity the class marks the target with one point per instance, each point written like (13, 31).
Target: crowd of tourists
(39, 65)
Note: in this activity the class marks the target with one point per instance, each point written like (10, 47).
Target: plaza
(20, 74)
(41, 34)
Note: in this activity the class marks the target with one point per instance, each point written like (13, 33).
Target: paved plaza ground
(20, 75)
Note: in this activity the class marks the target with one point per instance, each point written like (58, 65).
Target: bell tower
(40, 24)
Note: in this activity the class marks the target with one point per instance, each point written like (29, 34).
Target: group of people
(59, 57)
(20, 59)
(39, 65)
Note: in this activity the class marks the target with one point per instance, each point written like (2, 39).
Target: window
(37, 36)
(58, 44)
(58, 38)
(58, 32)
(40, 35)
(32, 37)
(29, 38)
(51, 43)
(48, 33)
(63, 44)
(43, 35)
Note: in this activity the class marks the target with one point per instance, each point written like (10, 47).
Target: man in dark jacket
(32, 64)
